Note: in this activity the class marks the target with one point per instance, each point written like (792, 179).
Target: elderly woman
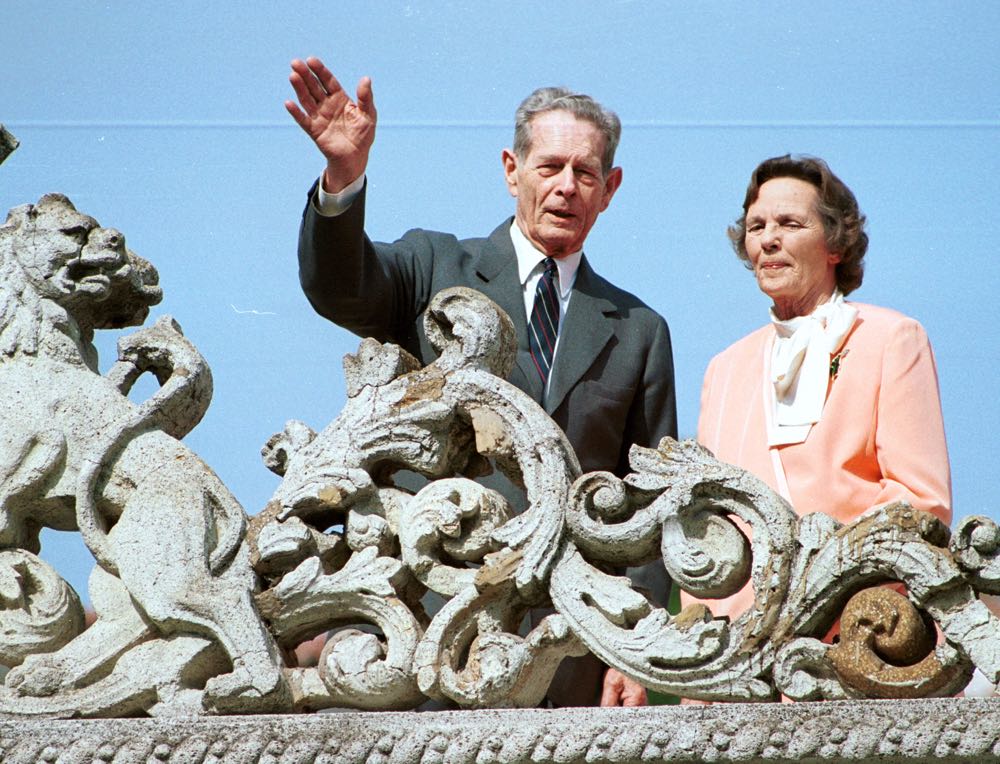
(834, 404)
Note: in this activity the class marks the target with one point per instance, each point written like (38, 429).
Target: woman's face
(787, 247)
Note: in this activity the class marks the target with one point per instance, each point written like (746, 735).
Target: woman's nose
(769, 238)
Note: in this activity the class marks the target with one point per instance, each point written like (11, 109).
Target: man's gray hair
(579, 105)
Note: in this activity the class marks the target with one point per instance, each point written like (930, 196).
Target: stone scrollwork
(418, 588)
(39, 612)
(442, 422)
(678, 501)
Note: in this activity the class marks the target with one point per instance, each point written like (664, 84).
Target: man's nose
(566, 181)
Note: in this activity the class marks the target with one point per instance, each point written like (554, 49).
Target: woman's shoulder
(752, 340)
(887, 334)
(876, 318)
(747, 345)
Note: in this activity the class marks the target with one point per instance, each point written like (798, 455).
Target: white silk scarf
(800, 367)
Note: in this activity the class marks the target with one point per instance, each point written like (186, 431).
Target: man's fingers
(298, 115)
(619, 690)
(366, 99)
(302, 92)
(611, 690)
(307, 87)
(316, 90)
(323, 76)
(609, 696)
(314, 83)
(634, 695)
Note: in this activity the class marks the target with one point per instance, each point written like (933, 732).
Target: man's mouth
(561, 214)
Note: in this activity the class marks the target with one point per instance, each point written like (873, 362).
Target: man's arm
(339, 268)
(653, 417)
(654, 413)
(343, 130)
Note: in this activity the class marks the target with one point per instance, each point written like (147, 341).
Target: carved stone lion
(173, 582)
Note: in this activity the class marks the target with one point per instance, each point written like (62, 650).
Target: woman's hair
(843, 222)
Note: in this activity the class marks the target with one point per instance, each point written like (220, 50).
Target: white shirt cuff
(331, 205)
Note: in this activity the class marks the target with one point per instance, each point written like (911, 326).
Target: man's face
(560, 186)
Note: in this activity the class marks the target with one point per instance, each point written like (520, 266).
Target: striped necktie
(544, 323)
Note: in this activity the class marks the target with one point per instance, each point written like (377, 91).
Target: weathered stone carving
(77, 454)
(8, 143)
(441, 421)
(199, 609)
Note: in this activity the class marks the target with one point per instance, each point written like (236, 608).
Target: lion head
(59, 266)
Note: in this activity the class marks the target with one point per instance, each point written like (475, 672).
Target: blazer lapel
(585, 331)
(497, 271)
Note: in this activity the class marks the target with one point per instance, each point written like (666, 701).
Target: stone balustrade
(199, 608)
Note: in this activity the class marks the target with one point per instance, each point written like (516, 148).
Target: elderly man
(594, 356)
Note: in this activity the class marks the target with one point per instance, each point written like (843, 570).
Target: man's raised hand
(342, 129)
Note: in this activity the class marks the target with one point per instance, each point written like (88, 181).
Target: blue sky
(166, 121)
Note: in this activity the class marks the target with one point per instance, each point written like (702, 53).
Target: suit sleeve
(373, 290)
(909, 434)
(654, 412)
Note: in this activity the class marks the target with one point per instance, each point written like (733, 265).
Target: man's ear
(611, 184)
(509, 160)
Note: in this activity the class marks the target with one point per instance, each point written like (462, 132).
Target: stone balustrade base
(936, 730)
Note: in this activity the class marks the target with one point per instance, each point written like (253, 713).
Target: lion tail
(232, 535)
(88, 518)
(95, 533)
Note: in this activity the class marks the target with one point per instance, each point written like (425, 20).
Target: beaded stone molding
(938, 730)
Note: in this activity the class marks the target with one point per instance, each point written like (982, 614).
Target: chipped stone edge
(934, 730)
(8, 143)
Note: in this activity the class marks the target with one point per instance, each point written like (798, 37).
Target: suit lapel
(585, 331)
(497, 271)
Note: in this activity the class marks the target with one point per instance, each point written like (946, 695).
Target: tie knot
(550, 268)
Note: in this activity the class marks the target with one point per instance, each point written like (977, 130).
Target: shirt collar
(529, 258)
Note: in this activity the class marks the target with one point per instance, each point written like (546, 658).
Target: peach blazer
(881, 437)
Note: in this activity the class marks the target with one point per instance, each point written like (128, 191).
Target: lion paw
(244, 692)
(36, 678)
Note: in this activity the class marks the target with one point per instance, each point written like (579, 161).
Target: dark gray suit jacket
(612, 381)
